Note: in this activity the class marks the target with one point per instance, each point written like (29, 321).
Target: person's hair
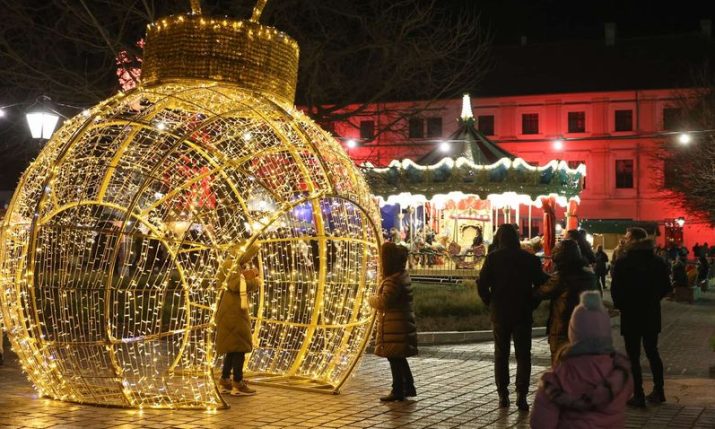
(638, 233)
(599, 248)
(393, 257)
(567, 256)
(508, 237)
(583, 244)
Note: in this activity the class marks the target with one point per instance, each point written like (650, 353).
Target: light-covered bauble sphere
(113, 239)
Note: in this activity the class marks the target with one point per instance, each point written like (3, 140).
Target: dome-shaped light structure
(110, 247)
(41, 119)
(466, 108)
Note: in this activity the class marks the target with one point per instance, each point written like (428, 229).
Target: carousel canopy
(477, 166)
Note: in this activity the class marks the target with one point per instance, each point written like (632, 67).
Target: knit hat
(590, 326)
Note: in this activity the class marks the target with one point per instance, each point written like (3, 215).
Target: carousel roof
(478, 166)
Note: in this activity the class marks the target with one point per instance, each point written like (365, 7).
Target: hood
(588, 382)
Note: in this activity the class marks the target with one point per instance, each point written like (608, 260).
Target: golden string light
(112, 242)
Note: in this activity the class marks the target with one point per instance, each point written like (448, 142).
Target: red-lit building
(613, 122)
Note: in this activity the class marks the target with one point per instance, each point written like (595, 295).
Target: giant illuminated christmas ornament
(112, 241)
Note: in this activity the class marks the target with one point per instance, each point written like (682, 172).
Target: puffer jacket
(396, 331)
(564, 289)
(584, 391)
(233, 323)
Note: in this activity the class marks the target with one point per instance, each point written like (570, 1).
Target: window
(417, 129)
(624, 173)
(575, 164)
(434, 127)
(577, 122)
(671, 118)
(530, 123)
(624, 120)
(671, 173)
(485, 124)
(367, 130)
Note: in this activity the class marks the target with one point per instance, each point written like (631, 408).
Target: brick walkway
(455, 386)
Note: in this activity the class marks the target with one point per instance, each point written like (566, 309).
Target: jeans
(503, 334)
(601, 282)
(233, 361)
(633, 348)
(401, 376)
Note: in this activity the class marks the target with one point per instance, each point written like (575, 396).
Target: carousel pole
(516, 216)
(530, 220)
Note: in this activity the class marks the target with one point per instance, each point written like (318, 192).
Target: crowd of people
(590, 383)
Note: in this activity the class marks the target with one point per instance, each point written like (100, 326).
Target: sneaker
(392, 397)
(637, 401)
(225, 385)
(657, 396)
(240, 388)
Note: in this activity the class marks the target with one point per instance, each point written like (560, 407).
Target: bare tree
(689, 169)
(353, 53)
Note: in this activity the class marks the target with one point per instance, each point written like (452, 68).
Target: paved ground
(454, 383)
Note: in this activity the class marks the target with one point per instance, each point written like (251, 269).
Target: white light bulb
(161, 126)
(351, 143)
(558, 144)
(684, 138)
(2, 113)
(444, 147)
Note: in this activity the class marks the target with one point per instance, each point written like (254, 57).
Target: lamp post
(41, 118)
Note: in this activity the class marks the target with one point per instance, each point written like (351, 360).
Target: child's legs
(227, 364)
(237, 362)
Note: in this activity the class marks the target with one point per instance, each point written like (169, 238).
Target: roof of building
(590, 65)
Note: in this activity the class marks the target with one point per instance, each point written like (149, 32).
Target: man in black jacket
(640, 281)
(506, 283)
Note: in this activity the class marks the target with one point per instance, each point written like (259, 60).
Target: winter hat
(590, 326)
(394, 258)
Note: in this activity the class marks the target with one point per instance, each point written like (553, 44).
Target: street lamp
(559, 144)
(42, 119)
(684, 138)
(444, 147)
(680, 221)
(352, 144)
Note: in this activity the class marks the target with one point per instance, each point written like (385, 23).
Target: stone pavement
(454, 383)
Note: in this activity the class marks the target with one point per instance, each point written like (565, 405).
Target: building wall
(599, 146)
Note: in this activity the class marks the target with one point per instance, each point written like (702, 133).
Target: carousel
(447, 205)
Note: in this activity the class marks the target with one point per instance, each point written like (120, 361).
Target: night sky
(551, 20)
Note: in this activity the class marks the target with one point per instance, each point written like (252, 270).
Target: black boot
(393, 397)
(657, 396)
(410, 391)
(504, 399)
(637, 401)
(521, 403)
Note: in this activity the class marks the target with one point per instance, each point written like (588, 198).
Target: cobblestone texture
(454, 383)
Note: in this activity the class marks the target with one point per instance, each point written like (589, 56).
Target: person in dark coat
(233, 322)
(601, 267)
(680, 276)
(396, 331)
(571, 278)
(583, 244)
(639, 282)
(703, 267)
(506, 285)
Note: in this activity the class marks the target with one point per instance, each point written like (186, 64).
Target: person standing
(640, 280)
(601, 267)
(572, 276)
(233, 322)
(579, 236)
(505, 284)
(396, 331)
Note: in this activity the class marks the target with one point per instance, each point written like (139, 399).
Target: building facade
(617, 134)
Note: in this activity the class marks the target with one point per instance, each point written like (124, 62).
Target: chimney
(610, 33)
(523, 39)
(706, 28)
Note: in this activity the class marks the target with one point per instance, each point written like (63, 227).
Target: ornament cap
(246, 53)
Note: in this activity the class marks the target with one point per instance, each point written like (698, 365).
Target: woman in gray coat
(396, 332)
